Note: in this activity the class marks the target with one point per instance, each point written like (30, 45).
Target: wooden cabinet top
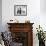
(20, 23)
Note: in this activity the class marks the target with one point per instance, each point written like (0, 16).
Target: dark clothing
(41, 43)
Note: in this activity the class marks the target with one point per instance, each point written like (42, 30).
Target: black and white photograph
(20, 10)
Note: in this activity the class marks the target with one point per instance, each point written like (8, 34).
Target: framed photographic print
(20, 10)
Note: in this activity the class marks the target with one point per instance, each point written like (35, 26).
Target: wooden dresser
(22, 33)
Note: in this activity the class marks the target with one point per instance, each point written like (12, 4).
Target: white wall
(43, 6)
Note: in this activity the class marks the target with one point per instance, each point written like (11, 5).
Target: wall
(43, 6)
(0, 15)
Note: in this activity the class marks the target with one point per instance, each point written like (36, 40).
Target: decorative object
(13, 21)
(41, 36)
(20, 10)
(27, 21)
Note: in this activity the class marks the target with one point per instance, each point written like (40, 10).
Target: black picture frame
(20, 10)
